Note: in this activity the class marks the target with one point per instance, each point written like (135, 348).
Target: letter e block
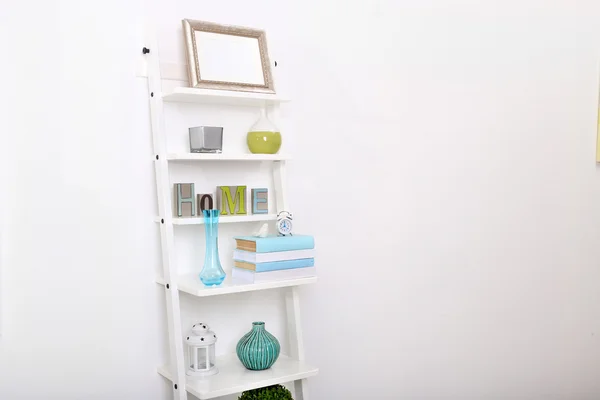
(260, 201)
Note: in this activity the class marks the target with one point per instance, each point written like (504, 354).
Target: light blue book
(252, 257)
(242, 275)
(274, 243)
(275, 265)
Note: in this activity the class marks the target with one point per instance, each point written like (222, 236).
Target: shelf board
(190, 283)
(222, 97)
(223, 220)
(233, 377)
(225, 157)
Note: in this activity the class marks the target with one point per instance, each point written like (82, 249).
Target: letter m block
(232, 200)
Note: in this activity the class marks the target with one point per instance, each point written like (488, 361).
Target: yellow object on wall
(598, 140)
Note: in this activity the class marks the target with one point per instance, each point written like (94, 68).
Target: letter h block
(185, 203)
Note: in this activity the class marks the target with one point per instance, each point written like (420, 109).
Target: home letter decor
(205, 202)
(229, 205)
(184, 200)
(260, 201)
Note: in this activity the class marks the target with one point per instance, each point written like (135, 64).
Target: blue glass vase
(212, 273)
(258, 349)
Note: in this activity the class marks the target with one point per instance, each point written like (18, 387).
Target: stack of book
(273, 258)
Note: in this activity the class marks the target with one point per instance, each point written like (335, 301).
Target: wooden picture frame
(227, 57)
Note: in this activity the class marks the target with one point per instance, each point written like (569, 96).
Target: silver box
(206, 139)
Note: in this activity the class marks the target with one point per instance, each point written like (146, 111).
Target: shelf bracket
(294, 325)
(279, 183)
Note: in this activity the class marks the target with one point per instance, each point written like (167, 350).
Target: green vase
(258, 349)
(264, 137)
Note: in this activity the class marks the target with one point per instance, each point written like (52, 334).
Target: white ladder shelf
(232, 377)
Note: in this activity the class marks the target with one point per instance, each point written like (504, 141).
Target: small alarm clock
(284, 223)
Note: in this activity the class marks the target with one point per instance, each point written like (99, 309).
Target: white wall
(449, 144)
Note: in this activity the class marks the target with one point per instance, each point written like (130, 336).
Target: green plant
(275, 392)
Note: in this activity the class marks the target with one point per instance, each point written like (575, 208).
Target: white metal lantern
(201, 351)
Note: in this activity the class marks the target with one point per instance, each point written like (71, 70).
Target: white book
(242, 275)
(254, 258)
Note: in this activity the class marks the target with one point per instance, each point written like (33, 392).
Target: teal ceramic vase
(258, 349)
